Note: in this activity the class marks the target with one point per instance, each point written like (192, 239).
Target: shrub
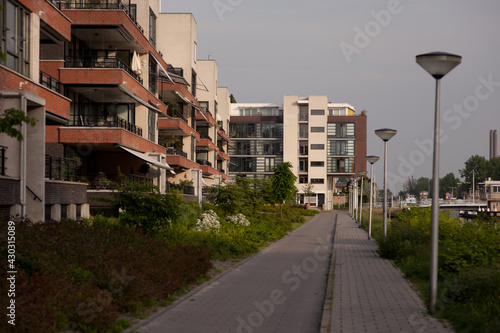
(238, 219)
(209, 221)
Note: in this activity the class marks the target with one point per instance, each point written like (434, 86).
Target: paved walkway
(295, 286)
(368, 294)
(281, 289)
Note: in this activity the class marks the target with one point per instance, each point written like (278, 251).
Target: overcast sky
(363, 53)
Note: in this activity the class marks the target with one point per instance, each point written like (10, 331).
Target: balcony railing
(3, 160)
(60, 168)
(98, 4)
(176, 151)
(100, 62)
(53, 84)
(204, 162)
(99, 120)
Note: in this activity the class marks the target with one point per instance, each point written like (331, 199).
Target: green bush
(73, 275)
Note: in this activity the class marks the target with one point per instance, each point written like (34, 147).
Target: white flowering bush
(238, 219)
(208, 221)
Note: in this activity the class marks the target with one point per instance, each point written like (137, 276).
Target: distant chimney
(493, 144)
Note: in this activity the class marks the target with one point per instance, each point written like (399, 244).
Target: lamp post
(385, 134)
(362, 174)
(437, 64)
(372, 159)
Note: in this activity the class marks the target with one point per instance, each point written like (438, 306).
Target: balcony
(99, 120)
(176, 151)
(53, 84)
(100, 62)
(204, 163)
(98, 4)
(60, 168)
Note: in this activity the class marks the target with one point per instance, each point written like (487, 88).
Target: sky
(363, 53)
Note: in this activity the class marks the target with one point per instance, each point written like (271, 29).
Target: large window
(255, 130)
(303, 130)
(303, 113)
(340, 165)
(317, 163)
(152, 28)
(341, 147)
(151, 125)
(153, 67)
(243, 164)
(317, 181)
(15, 32)
(303, 165)
(341, 130)
(303, 148)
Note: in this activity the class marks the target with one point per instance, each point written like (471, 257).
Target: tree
(233, 100)
(283, 184)
(477, 165)
(447, 183)
(11, 118)
(308, 190)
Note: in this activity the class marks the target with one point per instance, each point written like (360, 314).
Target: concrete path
(281, 289)
(368, 294)
(295, 286)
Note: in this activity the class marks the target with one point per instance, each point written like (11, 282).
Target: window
(133, 12)
(303, 180)
(317, 181)
(341, 147)
(341, 130)
(151, 125)
(303, 113)
(204, 106)
(340, 165)
(317, 163)
(152, 75)
(317, 129)
(303, 148)
(317, 112)
(152, 27)
(303, 130)
(317, 146)
(15, 21)
(269, 164)
(303, 165)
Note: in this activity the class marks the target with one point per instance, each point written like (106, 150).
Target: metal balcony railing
(60, 168)
(100, 62)
(204, 162)
(97, 4)
(176, 151)
(3, 160)
(52, 83)
(99, 120)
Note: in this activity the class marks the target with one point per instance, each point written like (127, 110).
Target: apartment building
(324, 142)
(115, 101)
(256, 132)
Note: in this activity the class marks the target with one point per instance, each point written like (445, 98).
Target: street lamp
(385, 134)
(372, 159)
(437, 64)
(362, 174)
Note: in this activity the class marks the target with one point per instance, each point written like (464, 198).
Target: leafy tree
(11, 118)
(283, 184)
(447, 183)
(494, 168)
(477, 165)
(308, 190)
(233, 100)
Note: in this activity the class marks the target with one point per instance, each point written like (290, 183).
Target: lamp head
(438, 64)
(385, 133)
(372, 159)
(362, 173)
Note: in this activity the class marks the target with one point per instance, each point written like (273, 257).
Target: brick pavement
(367, 293)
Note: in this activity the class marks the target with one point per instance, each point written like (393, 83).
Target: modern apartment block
(323, 141)
(115, 100)
(256, 132)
